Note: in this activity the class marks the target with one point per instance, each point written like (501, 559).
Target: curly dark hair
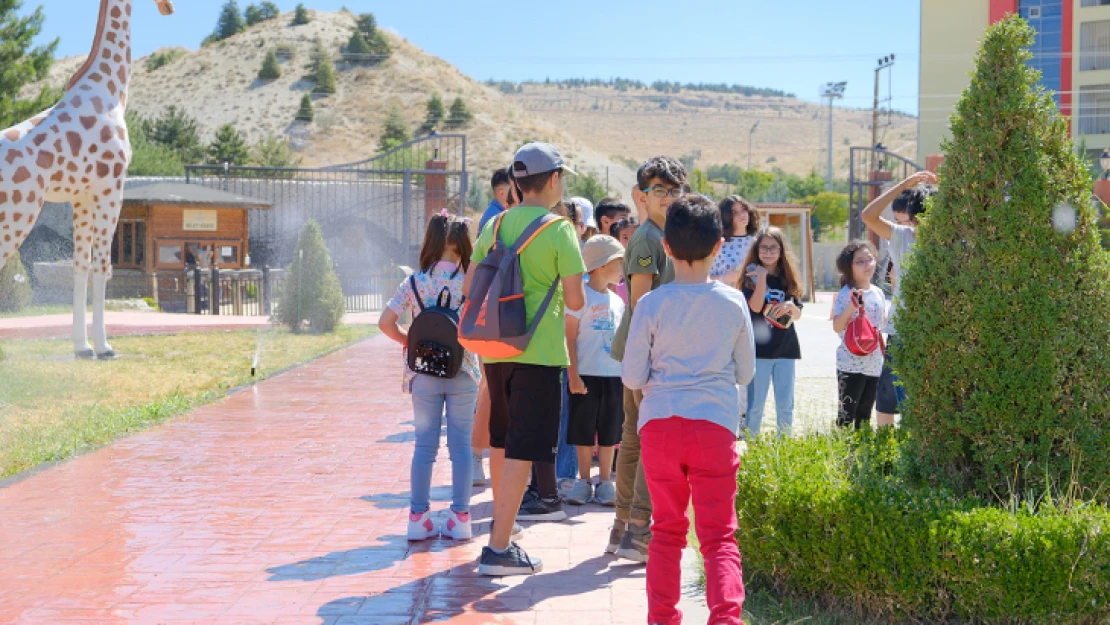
(734, 203)
(847, 255)
(912, 201)
(664, 168)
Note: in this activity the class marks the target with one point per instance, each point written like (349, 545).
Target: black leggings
(543, 479)
(857, 398)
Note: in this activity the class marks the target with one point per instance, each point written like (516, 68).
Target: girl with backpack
(447, 385)
(773, 290)
(858, 313)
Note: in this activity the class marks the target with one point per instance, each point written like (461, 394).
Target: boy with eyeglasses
(660, 181)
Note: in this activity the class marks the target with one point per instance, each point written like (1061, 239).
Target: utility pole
(832, 91)
(884, 63)
(750, 133)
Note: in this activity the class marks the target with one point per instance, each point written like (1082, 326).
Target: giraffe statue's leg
(104, 229)
(82, 255)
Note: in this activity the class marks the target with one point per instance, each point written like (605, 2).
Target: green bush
(829, 517)
(306, 112)
(301, 16)
(163, 58)
(15, 286)
(311, 292)
(1005, 336)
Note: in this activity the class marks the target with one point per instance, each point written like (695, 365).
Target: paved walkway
(285, 503)
(131, 323)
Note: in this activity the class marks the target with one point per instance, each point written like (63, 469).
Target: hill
(218, 84)
(630, 123)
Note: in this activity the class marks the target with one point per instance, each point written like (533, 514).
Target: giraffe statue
(77, 152)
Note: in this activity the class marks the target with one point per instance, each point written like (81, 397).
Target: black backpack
(433, 347)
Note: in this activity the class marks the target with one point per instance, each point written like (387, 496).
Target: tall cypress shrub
(311, 292)
(1005, 325)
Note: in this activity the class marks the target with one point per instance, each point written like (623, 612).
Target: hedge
(829, 517)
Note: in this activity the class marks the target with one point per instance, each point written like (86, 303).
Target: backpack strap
(415, 293)
(533, 230)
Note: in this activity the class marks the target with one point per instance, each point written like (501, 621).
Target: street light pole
(832, 91)
(884, 63)
(750, 133)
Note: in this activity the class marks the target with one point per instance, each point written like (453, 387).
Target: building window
(170, 254)
(1095, 3)
(1094, 110)
(129, 244)
(1094, 45)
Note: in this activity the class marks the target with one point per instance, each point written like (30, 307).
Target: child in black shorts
(596, 391)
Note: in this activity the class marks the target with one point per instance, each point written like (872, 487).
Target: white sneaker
(457, 526)
(479, 472)
(422, 526)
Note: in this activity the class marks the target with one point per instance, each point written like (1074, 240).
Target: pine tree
(1003, 333)
(367, 25)
(253, 15)
(301, 16)
(275, 152)
(268, 10)
(325, 72)
(357, 44)
(177, 131)
(229, 147)
(271, 69)
(395, 131)
(20, 64)
(435, 115)
(306, 113)
(460, 114)
(230, 22)
(311, 291)
(149, 158)
(15, 286)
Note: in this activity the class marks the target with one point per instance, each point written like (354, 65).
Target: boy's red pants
(684, 459)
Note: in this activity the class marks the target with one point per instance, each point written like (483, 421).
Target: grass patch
(38, 311)
(53, 407)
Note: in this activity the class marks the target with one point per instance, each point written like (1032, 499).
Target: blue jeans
(430, 397)
(781, 371)
(566, 461)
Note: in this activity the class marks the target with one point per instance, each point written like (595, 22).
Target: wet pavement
(285, 503)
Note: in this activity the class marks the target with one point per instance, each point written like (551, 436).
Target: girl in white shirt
(857, 376)
(741, 222)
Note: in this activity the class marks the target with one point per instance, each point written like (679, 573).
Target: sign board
(203, 220)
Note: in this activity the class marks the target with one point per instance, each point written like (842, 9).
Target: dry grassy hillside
(218, 85)
(597, 128)
(636, 124)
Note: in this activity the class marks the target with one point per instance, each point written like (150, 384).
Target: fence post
(464, 187)
(214, 292)
(406, 213)
(266, 309)
(198, 301)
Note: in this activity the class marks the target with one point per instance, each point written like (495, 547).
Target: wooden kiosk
(793, 220)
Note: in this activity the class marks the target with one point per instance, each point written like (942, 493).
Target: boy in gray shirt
(689, 346)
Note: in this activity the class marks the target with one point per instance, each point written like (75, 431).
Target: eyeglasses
(864, 262)
(773, 249)
(662, 192)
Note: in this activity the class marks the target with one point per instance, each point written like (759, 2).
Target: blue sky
(793, 45)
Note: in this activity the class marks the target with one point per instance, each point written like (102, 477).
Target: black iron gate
(872, 168)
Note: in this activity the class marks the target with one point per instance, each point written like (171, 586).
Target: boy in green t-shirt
(660, 181)
(526, 391)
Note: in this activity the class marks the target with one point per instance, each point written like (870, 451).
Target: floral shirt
(874, 306)
(430, 285)
(731, 257)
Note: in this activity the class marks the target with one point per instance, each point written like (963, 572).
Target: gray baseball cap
(538, 158)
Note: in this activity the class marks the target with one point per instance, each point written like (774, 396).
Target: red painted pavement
(284, 503)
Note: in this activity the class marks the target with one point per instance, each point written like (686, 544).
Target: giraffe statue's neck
(109, 64)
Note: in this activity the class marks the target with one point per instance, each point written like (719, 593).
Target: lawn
(38, 311)
(53, 407)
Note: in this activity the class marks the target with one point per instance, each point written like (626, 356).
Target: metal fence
(869, 170)
(235, 292)
(372, 212)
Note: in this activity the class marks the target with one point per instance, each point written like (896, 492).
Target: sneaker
(634, 544)
(606, 494)
(422, 526)
(615, 536)
(457, 526)
(566, 485)
(540, 509)
(582, 492)
(516, 536)
(513, 562)
(480, 472)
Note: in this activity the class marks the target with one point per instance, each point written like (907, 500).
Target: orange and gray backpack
(494, 321)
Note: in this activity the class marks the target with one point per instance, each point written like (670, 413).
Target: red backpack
(862, 338)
